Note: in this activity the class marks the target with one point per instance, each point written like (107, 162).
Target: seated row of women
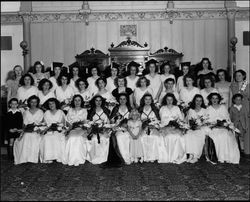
(148, 134)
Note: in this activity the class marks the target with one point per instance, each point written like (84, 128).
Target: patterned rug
(146, 181)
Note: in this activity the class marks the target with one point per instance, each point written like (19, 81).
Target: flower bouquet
(243, 86)
(149, 124)
(95, 128)
(59, 127)
(195, 123)
(65, 104)
(184, 107)
(120, 123)
(224, 124)
(176, 123)
(33, 127)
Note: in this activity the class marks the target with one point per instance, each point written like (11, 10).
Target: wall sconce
(85, 12)
(24, 46)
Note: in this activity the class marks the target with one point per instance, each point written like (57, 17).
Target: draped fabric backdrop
(194, 38)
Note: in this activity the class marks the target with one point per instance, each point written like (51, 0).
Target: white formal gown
(187, 95)
(155, 83)
(224, 140)
(131, 83)
(98, 153)
(92, 87)
(52, 145)
(27, 149)
(76, 141)
(138, 94)
(172, 143)
(150, 142)
(43, 98)
(195, 139)
(23, 93)
(204, 94)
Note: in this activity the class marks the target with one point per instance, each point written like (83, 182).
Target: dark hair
(46, 104)
(235, 96)
(15, 68)
(209, 97)
(71, 71)
(154, 108)
(92, 101)
(72, 104)
(60, 77)
(207, 77)
(11, 100)
(42, 82)
(99, 79)
(129, 69)
(34, 67)
(21, 82)
(138, 83)
(192, 103)
(188, 76)
(32, 98)
(92, 67)
(225, 73)
(162, 67)
(209, 64)
(169, 79)
(120, 77)
(77, 82)
(114, 67)
(244, 74)
(164, 99)
(147, 67)
(126, 95)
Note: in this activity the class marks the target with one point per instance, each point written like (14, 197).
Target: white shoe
(190, 158)
(194, 160)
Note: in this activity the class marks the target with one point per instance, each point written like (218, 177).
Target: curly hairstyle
(120, 77)
(92, 101)
(169, 79)
(33, 97)
(94, 67)
(225, 73)
(142, 101)
(207, 77)
(72, 104)
(209, 63)
(21, 82)
(60, 78)
(38, 63)
(42, 82)
(244, 74)
(46, 104)
(77, 82)
(192, 103)
(101, 79)
(126, 95)
(138, 83)
(164, 99)
(235, 96)
(209, 97)
(188, 76)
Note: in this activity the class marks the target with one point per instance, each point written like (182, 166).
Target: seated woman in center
(150, 135)
(98, 116)
(76, 140)
(53, 142)
(172, 145)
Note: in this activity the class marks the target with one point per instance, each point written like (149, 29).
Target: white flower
(59, 128)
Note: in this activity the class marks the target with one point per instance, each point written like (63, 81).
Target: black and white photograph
(125, 100)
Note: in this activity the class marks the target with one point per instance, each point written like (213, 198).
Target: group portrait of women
(113, 119)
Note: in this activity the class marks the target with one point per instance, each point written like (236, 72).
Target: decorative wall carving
(74, 16)
(128, 29)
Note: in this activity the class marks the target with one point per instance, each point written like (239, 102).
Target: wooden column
(25, 13)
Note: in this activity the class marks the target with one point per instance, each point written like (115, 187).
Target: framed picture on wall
(128, 30)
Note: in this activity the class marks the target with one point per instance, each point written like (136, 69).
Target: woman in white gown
(92, 80)
(26, 147)
(169, 88)
(133, 70)
(195, 137)
(154, 78)
(52, 145)
(150, 135)
(141, 89)
(188, 92)
(185, 66)
(56, 72)
(226, 146)
(26, 89)
(111, 80)
(102, 91)
(165, 70)
(99, 114)
(38, 73)
(209, 88)
(64, 91)
(223, 86)
(172, 143)
(76, 140)
(45, 90)
(82, 86)
(75, 74)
